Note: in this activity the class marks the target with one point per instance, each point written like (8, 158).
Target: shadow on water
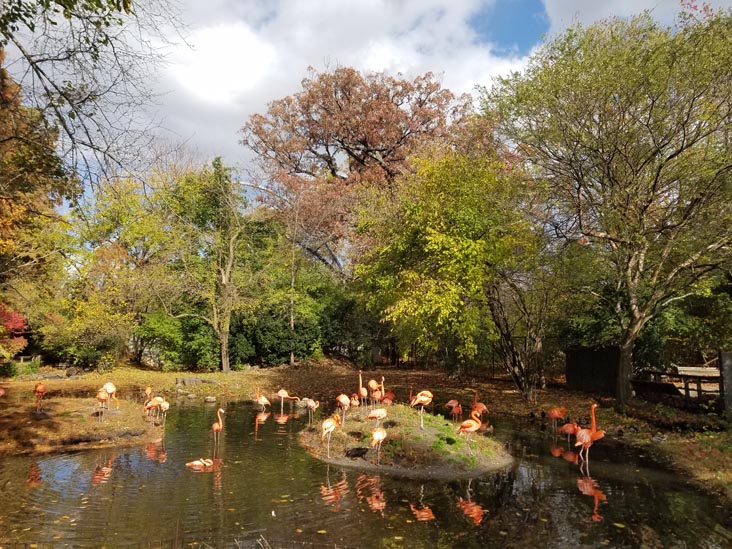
(264, 490)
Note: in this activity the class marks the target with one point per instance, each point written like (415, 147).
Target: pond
(265, 491)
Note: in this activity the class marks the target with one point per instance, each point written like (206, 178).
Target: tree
(444, 255)
(629, 124)
(342, 130)
(86, 65)
(216, 250)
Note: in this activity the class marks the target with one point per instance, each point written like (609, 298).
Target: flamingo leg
(329, 432)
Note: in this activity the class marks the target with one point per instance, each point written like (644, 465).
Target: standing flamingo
(378, 414)
(586, 437)
(422, 399)
(217, 427)
(470, 426)
(154, 404)
(373, 387)
(112, 390)
(363, 394)
(556, 414)
(262, 400)
(569, 429)
(329, 426)
(164, 407)
(377, 437)
(103, 398)
(343, 403)
(311, 406)
(283, 394)
(39, 390)
(456, 409)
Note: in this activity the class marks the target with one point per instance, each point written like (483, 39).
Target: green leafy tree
(629, 125)
(441, 254)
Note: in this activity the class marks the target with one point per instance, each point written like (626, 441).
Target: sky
(242, 54)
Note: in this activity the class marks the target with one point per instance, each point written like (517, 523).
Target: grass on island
(436, 450)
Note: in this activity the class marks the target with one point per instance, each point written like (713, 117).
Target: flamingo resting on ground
(586, 437)
(377, 437)
(329, 426)
(218, 426)
(470, 426)
(39, 390)
(422, 399)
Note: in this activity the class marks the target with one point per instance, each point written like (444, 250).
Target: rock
(210, 399)
(191, 395)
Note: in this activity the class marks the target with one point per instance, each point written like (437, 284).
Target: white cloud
(250, 52)
(224, 62)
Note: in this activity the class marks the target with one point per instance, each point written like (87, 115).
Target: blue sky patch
(513, 26)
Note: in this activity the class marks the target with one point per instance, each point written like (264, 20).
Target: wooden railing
(693, 381)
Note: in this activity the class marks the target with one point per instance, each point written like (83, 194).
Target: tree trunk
(625, 361)
(224, 342)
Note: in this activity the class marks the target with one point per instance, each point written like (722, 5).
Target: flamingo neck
(593, 427)
(475, 414)
(221, 421)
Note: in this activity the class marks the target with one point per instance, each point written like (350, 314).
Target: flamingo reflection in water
(34, 477)
(259, 419)
(589, 487)
(474, 511)
(155, 451)
(333, 494)
(422, 513)
(369, 488)
(102, 473)
(201, 465)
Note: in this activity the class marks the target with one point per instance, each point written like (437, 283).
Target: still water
(265, 491)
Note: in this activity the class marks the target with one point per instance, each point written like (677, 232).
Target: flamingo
(569, 429)
(456, 409)
(311, 405)
(556, 414)
(329, 426)
(148, 398)
(39, 390)
(102, 397)
(373, 387)
(363, 394)
(470, 426)
(201, 464)
(218, 426)
(343, 403)
(586, 437)
(422, 399)
(154, 404)
(283, 394)
(112, 390)
(482, 408)
(377, 437)
(164, 407)
(262, 400)
(378, 414)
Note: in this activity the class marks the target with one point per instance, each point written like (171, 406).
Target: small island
(437, 451)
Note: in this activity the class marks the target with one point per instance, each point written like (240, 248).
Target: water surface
(264, 489)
